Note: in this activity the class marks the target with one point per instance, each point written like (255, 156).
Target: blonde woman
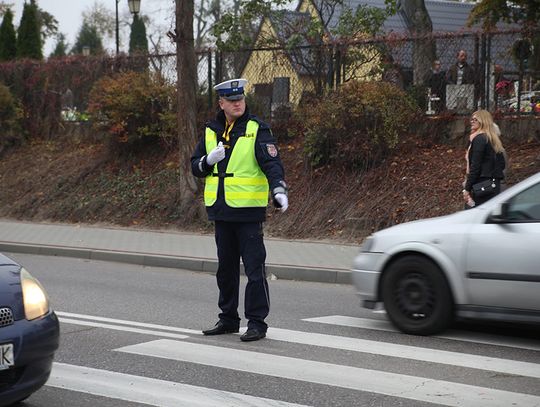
(485, 157)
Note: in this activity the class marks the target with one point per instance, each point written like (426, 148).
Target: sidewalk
(286, 259)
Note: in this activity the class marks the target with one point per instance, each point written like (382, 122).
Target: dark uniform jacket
(484, 163)
(267, 156)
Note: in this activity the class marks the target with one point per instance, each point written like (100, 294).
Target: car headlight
(35, 298)
(367, 245)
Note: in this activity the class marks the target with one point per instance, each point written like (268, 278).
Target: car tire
(416, 296)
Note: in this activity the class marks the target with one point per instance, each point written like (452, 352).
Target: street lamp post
(134, 8)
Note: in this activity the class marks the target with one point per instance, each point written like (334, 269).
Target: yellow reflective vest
(245, 185)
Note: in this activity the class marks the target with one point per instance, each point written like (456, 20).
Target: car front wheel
(416, 296)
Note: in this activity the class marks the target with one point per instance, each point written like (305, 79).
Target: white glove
(283, 201)
(216, 155)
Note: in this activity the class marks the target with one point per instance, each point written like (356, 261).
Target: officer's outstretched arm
(267, 154)
(280, 196)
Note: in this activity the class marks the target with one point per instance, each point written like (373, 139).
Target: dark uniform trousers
(244, 240)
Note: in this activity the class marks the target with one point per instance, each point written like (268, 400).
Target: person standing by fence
(461, 73)
(485, 160)
(436, 82)
(461, 90)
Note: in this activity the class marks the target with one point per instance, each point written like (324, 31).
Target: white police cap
(232, 89)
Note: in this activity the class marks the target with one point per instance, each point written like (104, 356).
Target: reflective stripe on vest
(248, 186)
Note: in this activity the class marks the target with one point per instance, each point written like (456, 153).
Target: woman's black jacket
(484, 163)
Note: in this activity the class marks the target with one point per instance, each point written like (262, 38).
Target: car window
(525, 205)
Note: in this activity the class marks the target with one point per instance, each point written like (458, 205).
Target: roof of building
(446, 16)
(287, 22)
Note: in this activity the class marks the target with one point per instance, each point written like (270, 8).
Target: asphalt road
(130, 336)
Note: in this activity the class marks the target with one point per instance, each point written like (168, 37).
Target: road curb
(279, 271)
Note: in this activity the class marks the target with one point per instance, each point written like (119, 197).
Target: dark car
(29, 333)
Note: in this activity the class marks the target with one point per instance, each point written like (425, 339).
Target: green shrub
(135, 108)
(357, 125)
(10, 120)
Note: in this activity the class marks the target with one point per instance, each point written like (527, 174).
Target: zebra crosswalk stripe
(391, 384)
(150, 391)
(478, 337)
(467, 360)
(353, 344)
(123, 328)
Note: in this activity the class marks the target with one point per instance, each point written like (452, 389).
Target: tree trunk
(186, 70)
(420, 27)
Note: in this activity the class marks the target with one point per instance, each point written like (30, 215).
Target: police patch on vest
(272, 150)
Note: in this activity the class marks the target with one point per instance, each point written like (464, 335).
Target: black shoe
(220, 328)
(252, 334)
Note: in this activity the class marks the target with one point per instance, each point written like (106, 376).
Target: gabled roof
(286, 23)
(446, 16)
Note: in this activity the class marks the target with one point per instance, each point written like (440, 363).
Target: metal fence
(506, 76)
(496, 75)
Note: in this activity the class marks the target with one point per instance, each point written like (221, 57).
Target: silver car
(482, 263)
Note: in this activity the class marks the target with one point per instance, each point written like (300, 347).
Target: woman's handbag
(484, 188)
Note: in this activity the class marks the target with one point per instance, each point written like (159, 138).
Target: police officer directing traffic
(240, 162)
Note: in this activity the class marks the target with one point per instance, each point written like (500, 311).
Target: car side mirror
(500, 213)
(505, 206)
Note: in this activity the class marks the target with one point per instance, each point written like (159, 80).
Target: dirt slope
(65, 181)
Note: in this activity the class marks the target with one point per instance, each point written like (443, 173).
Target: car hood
(10, 283)
(6, 261)
(426, 230)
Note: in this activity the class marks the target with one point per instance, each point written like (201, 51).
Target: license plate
(6, 356)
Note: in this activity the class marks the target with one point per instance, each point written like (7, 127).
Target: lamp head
(134, 6)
